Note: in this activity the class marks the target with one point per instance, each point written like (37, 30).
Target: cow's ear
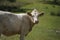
(29, 13)
(41, 14)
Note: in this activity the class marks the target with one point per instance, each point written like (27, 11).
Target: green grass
(46, 29)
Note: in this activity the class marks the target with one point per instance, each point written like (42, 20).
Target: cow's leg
(3, 37)
(0, 36)
(24, 32)
(22, 35)
(1, 30)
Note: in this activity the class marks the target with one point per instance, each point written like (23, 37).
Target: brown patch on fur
(29, 13)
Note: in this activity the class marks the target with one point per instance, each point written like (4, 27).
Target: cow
(12, 23)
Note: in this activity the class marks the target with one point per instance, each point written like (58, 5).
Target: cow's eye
(33, 16)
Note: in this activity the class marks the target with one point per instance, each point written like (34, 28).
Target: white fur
(4, 12)
(20, 15)
(35, 14)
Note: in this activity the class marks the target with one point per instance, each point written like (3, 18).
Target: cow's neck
(31, 23)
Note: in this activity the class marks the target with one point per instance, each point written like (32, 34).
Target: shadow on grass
(55, 14)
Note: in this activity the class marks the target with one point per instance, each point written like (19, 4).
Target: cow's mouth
(36, 22)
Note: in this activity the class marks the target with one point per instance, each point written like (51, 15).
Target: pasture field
(48, 27)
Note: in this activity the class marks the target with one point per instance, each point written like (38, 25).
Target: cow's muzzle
(36, 22)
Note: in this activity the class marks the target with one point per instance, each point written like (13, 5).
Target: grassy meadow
(48, 27)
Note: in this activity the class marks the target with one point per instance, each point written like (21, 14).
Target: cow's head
(34, 16)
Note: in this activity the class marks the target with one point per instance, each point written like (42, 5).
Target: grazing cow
(11, 23)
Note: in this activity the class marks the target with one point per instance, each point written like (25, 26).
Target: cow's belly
(10, 33)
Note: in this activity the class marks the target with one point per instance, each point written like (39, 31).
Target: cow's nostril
(37, 22)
